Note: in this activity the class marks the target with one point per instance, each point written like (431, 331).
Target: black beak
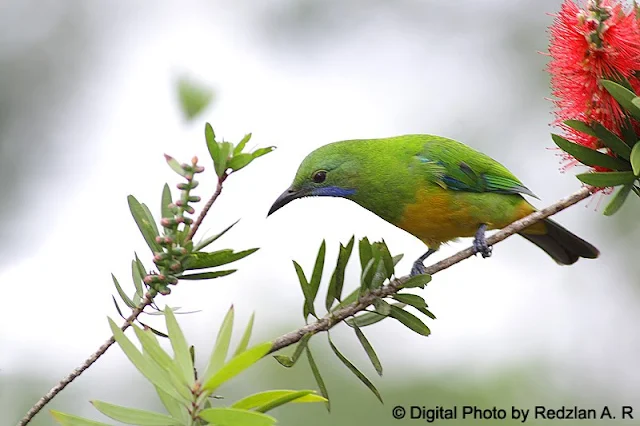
(287, 196)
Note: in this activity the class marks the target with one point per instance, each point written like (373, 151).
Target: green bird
(435, 188)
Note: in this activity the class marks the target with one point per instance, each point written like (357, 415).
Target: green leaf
(363, 320)
(624, 97)
(237, 365)
(612, 140)
(417, 281)
(221, 162)
(194, 97)
(221, 348)
(580, 126)
(205, 242)
(264, 401)
(151, 347)
(207, 275)
(381, 306)
(202, 260)
(589, 156)
(604, 179)
(262, 151)
(179, 345)
(239, 161)
(144, 222)
(618, 200)
(397, 259)
(355, 370)
(411, 299)
(371, 353)
(235, 417)
(380, 274)
(318, 377)
(238, 149)
(337, 278)
(69, 420)
(137, 282)
(117, 307)
(246, 336)
(635, 159)
(628, 133)
(427, 312)
(166, 200)
(175, 165)
(366, 253)
(212, 144)
(122, 294)
(352, 297)
(288, 362)
(316, 275)
(308, 307)
(174, 408)
(409, 320)
(367, 274)
(148, 369)
(134, 416)
(387, 260)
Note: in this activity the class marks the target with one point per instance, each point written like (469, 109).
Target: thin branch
(206, 208)
(78, 371)
(330, 320)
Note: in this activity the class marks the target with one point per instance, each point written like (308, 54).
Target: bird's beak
(286, 197)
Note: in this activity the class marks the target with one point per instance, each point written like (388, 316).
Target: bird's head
(329, 171)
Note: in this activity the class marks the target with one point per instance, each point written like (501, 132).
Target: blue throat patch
(332, 191)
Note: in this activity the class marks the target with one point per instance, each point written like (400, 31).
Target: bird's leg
(418, 266)
(480, 242)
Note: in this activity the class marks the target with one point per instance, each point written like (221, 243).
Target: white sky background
(383, 79)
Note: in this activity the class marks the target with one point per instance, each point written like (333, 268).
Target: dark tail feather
(562, 245)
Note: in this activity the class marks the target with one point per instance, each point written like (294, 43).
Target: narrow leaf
(618, 200)
(366, 254)
(179, 345)
(221, 348)
(624, 97)
(316, 275)
(137, 279)
(166, 200)
(417, 281)
(635, 159)
(212, 145)
(411, 299)
(205, 242)
(580, 126)
(237, 365)
(352, 297)
(604, 179)
(148, 370)
(238, 149)
(239, 161)
(134, 416)
(363, 320)
(387, 260)
(175, 165)
(427, 312)
(288, 362)
(306, 290)
(371, 353)
(337, 278)
(221, 162)
(409, 320)
(381, 306)
(355, 370)
(117, 307)
(318, 377)
(264, 399)
(612, 140)
(174, 408)
(207, 275)
(145, 225)
(69, 420)
(217, 258)
(588, 156)
(262, 151)
(246, 336)
(122, 294)
(235, 417)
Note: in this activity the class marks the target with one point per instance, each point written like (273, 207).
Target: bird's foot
(417, 268)
(480, 242)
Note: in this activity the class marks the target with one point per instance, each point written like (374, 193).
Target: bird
(436, 189)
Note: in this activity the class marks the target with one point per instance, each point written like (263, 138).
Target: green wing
(458, 167)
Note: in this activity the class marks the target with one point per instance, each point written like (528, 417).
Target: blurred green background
(88, 107)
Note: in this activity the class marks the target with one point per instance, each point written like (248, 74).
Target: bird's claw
(480, 243)
(418, 268)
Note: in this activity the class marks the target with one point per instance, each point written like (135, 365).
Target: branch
(78, 371)
(206, 208)
(334, 318)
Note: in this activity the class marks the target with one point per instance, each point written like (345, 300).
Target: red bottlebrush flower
(587, 45)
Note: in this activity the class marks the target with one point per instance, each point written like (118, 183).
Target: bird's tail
(562, 245)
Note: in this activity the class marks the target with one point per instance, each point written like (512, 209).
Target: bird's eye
(319, 176)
